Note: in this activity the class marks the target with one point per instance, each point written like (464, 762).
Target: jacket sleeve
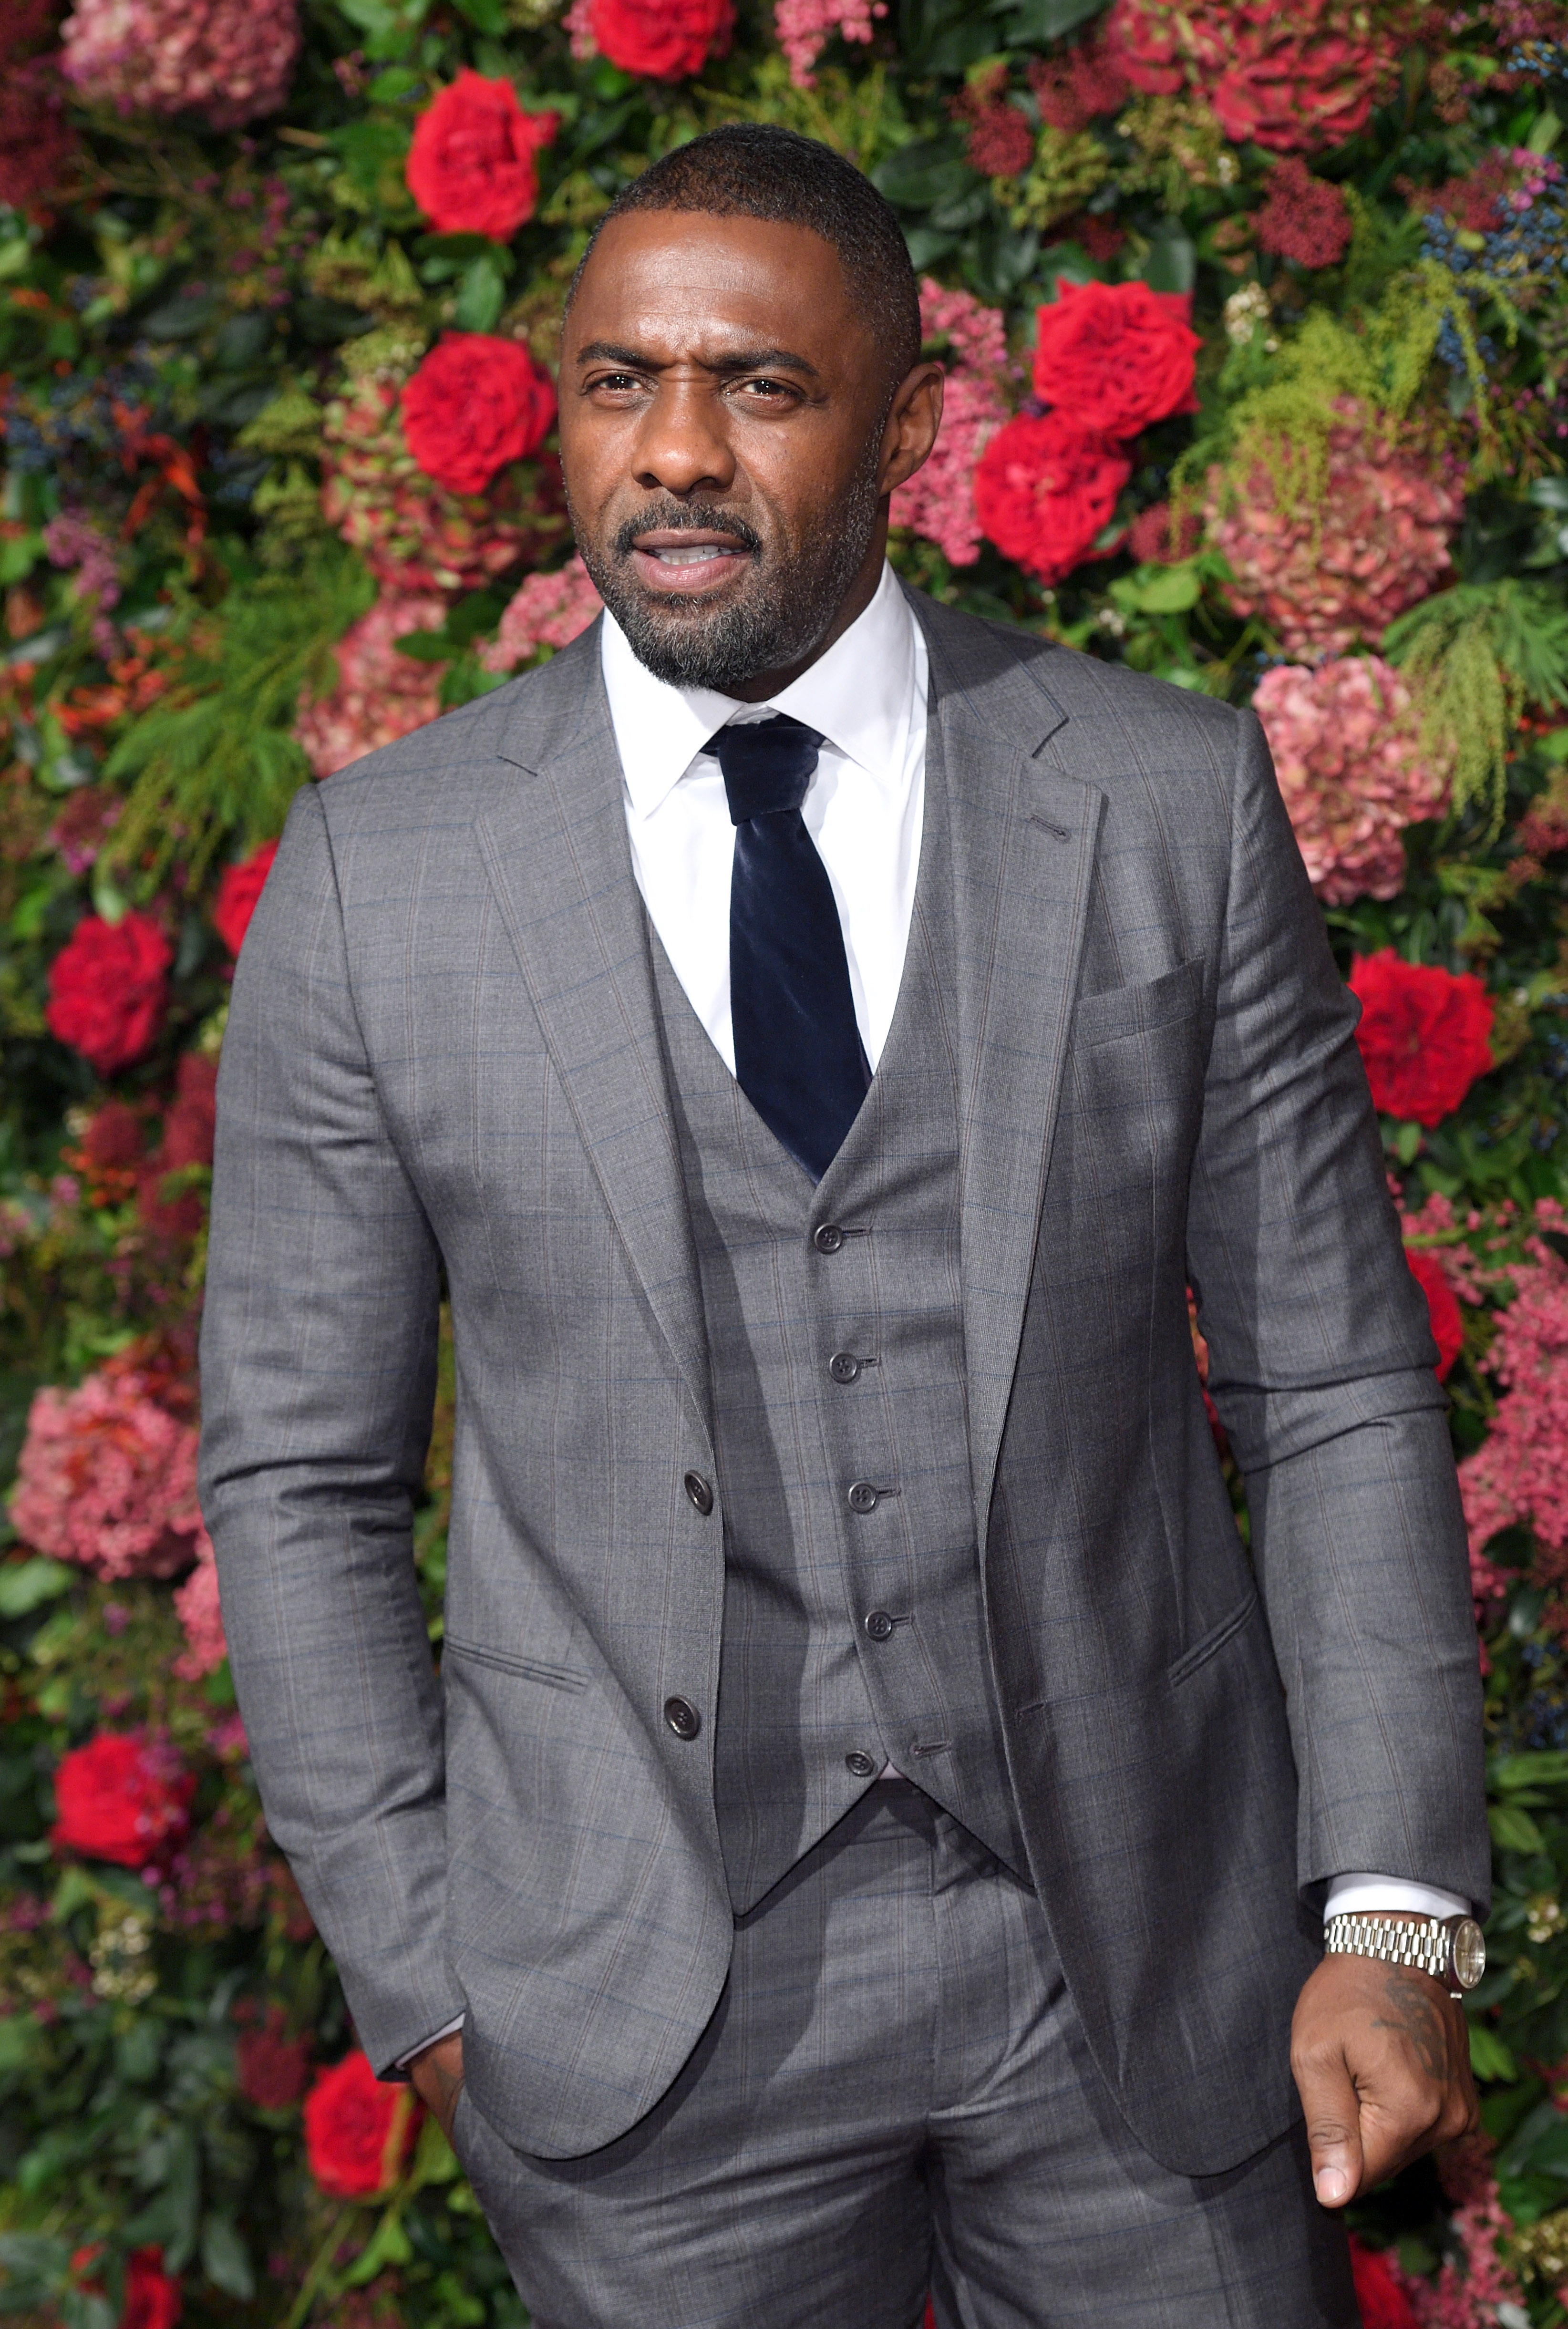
(1321, 1363)
(318, 1361)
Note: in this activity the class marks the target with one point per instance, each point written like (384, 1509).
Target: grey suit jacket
(441, 1061)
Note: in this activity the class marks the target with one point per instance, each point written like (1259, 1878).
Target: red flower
(1447, 1326)
(1045, 489)
(664, 40)
(1286, 73)
(188, 1132)
(1115, 356)
(1424, 1034)
(357, 2130)
(274, 2068)
(121, 1798)
(1071, 89)
(1380, 2290)
(108, 987)
(238, 888)
(152, 2297)
(1153, 540)
(476, 403)
(1305, 218)
(471, 166)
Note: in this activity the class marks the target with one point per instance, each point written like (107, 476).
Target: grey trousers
(894, 2095)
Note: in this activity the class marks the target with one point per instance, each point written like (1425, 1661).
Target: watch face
(1470, 1953)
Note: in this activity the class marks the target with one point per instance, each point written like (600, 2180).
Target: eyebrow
(745, 359)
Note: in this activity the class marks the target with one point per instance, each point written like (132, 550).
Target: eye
(757, 390)
(618, 382)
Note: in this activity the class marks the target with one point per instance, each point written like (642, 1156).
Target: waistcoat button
(683, 1716)
(844, 1366)
(859, 1766)
(862, 1497)
(879, 1625)
(701, 1494)
(829, 1238)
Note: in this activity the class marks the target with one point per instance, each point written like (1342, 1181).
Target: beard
(785, 603)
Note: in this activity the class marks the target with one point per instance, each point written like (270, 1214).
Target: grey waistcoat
(854, 1628)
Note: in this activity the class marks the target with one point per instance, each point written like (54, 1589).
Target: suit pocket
(479, 1653)
(1139, 1010)
(1209, 1644)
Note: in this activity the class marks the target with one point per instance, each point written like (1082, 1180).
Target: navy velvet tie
(799, 1056)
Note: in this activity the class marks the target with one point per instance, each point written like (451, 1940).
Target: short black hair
(753, 169)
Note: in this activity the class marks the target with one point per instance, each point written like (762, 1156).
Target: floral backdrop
(1255, 318)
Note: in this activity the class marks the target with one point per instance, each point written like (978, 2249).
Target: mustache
(686, 517)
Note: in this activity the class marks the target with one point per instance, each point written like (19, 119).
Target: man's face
(727, 444)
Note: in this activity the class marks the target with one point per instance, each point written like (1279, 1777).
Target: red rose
(1424, 1034)
(274, 2068)
(1447, 1326)
(153, 2298)
(188, 1131)
(664, 40)
(1380, 2289)
(123, 1796)
(1045, 489)
(357, 2130)
(108, 987)
(238, 888)
(476, 403)
(471, 166)
(1115, 356)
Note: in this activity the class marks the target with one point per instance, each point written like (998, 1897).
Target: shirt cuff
(1361, 1896)
(446, 2030)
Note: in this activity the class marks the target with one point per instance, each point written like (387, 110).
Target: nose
(682, 445)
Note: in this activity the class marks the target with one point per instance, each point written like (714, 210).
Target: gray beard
(767, 628)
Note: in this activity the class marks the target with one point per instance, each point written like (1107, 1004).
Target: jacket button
(683, 1716)
(844, 1366)
(862, 1497)
(859, 1766)
(878, 1625)
(829, 1238)
(698, 1490)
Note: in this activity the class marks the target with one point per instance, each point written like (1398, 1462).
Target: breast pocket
(1141, 1009)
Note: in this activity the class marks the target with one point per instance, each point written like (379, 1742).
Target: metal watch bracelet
(1452, 1949)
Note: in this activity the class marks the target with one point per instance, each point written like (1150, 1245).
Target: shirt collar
(859, 695)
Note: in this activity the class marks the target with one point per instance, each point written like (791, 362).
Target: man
(871, 1827)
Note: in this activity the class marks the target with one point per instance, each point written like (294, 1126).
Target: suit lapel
(1023, 838)
(560, 863)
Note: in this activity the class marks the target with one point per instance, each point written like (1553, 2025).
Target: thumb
(1333, 2113)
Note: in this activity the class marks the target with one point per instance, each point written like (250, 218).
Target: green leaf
(225, 2259)
(481, 294)
(1489, 2058)
(485, 16)
(388, 2244)
(19, 556)
(1171, 590)
(1172, 264)
(27, 1584)
(425, 647)
(917, 177)
(1039, 21)
(1514, 1830)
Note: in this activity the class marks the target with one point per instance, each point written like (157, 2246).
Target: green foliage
(1480, 654)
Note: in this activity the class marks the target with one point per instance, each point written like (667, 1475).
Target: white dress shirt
(866, 697)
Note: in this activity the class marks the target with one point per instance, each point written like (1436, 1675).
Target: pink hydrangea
(1485, 2290)
(413, 533)
(1519, 1473)
(228, 59)
(805, 26)
(938, 501)
(1327, 574)
(108, 1479)
(549, 610)
(381, 693)
(1347, 748)
(196, 1607)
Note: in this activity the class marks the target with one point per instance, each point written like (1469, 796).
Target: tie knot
(768, 765)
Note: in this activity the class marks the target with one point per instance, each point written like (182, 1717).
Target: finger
(1333, 2116)
(1395, 2130)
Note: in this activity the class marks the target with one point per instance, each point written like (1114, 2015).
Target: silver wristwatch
(1452, 1949)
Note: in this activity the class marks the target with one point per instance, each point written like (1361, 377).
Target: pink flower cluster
(196, 1607)
(380, 693)
(413, 533)
(228, 59)
(75, 541)
(1326, 575)
(805, 26)
(938, 501)
(108, 1479)
(1486, 2291)
(548, 610)
(1347, 742)
(1519, 1473)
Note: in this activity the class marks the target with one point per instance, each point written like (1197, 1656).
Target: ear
(912, 424)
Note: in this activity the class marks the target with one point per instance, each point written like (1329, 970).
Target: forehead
(688, 280)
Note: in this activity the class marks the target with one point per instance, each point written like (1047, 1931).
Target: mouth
(687, 563)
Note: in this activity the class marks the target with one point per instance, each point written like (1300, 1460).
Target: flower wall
(1255, 318)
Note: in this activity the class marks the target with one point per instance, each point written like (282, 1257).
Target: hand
(437, 2077)
(1382, 2060)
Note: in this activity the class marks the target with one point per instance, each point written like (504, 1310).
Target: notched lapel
(1022, 843)
(556, 852)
